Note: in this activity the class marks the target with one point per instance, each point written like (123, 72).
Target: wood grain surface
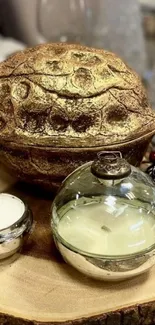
(39, 287)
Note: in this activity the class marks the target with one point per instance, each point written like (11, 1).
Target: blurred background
(126, 27)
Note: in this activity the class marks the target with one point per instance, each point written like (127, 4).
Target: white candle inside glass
(11, 210)
(107, 229)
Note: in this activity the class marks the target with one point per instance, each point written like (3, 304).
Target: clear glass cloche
(103, 218)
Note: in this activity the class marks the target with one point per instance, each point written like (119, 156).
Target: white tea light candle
(15, 223)
(107, 228)
(11, 210)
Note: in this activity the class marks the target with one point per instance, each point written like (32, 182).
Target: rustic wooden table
(40, 288)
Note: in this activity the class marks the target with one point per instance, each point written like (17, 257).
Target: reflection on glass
(67, 20)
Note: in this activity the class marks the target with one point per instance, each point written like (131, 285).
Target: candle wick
(106, 228)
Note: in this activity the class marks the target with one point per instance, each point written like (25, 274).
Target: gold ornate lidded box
(60, 104)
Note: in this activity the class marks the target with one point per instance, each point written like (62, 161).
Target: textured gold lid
(71, 96)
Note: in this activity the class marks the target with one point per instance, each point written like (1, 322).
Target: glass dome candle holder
(103, 219)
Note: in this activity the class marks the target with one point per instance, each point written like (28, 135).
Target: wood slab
(39, 288)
